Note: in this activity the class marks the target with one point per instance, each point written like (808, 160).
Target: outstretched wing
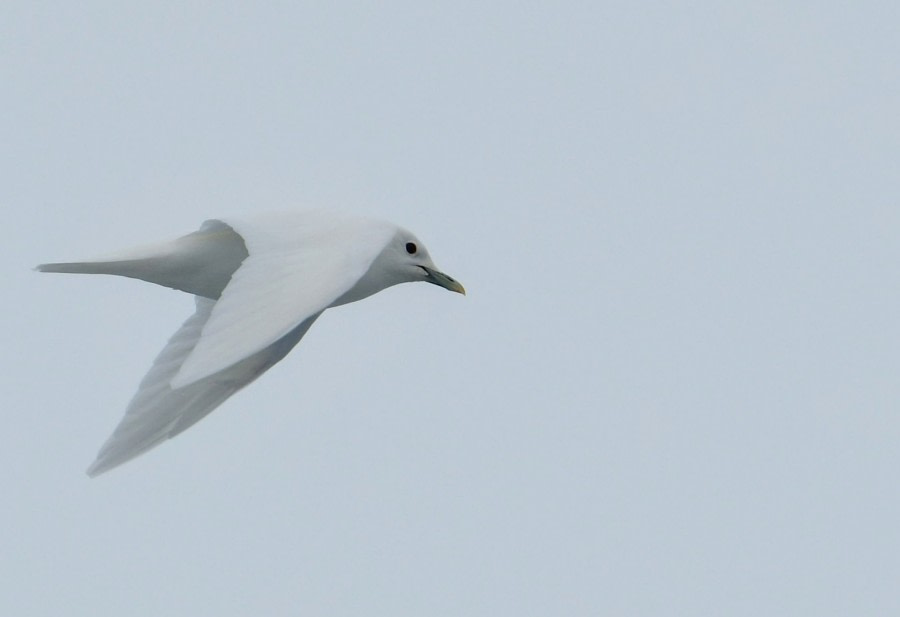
(200, 263)
(296, 267)
(158, 412)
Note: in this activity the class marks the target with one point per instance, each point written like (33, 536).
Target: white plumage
(259, 285)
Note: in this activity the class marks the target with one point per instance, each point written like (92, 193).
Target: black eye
(411, 248)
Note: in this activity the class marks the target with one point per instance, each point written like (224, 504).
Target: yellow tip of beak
(442, 280)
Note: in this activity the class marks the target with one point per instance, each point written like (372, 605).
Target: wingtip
(61, 268)
(101, 466)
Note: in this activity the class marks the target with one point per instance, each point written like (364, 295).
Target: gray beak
(439, 278)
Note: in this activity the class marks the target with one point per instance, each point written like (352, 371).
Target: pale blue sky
(671, 390)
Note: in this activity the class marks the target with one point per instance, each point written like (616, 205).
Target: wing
(296, 267)
(200, 263)
(158, 412)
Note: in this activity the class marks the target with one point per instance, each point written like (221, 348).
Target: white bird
(259, 284)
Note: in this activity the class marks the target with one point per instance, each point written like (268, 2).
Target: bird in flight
(259, 284)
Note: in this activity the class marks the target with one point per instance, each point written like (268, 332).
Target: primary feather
(159, 412)
(200, 263)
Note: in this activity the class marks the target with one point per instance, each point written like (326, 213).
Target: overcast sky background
(672, 389)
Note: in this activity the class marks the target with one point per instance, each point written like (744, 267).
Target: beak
(439, 278)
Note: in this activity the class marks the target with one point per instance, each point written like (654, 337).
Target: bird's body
(259, 285)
